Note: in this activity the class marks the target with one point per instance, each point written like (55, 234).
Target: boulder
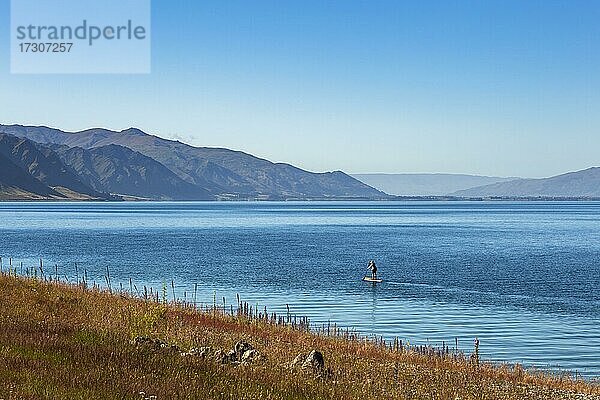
(231, 356)
(240, 348)
(250, 356)
(314, 362)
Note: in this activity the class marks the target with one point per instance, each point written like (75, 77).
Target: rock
(314, 362)
(154, 344)
(192, 352)
(231, 356)
(250, 356)
(242, 353)
(298, 361)
(240, 348)
(141, 340)
(220, 357)
(202, 352)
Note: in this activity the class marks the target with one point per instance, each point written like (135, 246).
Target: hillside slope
(585, 183)
(71, 341)
(426, 184)
(38, 170)
(119, 170)
(18, 184)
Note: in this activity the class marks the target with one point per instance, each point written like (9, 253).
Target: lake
(523, 277)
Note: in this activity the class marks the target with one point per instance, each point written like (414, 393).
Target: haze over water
(523, 277)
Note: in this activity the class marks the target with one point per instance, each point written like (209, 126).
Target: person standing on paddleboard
(373, 269)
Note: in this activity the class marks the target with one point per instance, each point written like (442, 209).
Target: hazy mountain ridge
(584, 183)
(212, 172)
(426, 184)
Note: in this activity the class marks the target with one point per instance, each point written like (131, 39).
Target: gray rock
(242, 353)
(220, 357)
(231, 356)
(240, 348)
(314, 362)
(250, 356)
(202, 352)
(298, 361)
(154, 344)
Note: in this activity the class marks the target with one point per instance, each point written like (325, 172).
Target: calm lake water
(523, 277)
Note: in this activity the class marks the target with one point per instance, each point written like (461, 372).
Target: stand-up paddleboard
(369, 279)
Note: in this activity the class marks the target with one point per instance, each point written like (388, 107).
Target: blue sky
(487, 87)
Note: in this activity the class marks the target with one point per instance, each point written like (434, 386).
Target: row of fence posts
(243, 311)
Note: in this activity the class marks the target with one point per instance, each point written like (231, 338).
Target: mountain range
(578, 184)
(47, 163)
(585, 183)
(426, 184)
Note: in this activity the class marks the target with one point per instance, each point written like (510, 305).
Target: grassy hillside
(62, 341)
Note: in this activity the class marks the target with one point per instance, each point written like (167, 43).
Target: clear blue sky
(485, 87)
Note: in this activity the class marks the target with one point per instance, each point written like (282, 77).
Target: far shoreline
(317, 199)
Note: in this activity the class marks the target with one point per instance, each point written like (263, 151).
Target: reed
(73, 341)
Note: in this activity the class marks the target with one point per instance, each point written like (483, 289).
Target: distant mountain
(36, 170)
(584, 183)
(221, 173)
(122, 171)
(426, 184)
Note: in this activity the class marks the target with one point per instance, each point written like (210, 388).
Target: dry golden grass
(59, 341)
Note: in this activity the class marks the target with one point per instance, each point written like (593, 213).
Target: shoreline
(44, 321)
(316, 200)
